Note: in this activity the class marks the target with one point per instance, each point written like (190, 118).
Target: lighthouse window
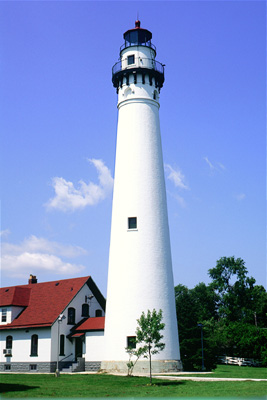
(130, 59)
(132, 223)
(131, 342)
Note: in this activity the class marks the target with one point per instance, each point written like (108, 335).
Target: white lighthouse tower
(140, 268)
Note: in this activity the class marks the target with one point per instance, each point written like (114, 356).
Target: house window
(98, 313)
(33, 367)
(7, 367)
(71, 316)
(34, 345)
(132, 223)
(62, 345)
(131, 342)
(85, 310)
(9, 340)
(4, 314)
(130, 59)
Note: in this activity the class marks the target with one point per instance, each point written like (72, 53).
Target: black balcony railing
(121, 72)
(146, 63)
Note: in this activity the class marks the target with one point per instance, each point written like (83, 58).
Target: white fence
(239, 361)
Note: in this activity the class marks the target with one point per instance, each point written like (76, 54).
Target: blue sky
(58, 134)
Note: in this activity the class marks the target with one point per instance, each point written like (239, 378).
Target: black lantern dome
(137, 37)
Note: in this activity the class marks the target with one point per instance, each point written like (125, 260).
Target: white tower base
(142, 366)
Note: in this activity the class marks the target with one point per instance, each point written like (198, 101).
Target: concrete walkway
(206, 378)
(180, 376)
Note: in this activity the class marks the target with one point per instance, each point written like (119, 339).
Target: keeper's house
(52, 324)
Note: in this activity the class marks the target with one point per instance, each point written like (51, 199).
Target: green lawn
(96, 385)
(234, 371)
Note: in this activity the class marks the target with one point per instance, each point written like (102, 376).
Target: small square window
(33, 367)
(131, 59)
(132, 223)
(7, 367)
(131, 342)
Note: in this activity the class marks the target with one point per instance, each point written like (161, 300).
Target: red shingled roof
(15, 296)
(92, 324)
(43, 301)
(78, 334)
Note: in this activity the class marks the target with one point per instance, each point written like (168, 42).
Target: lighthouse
(140, 274)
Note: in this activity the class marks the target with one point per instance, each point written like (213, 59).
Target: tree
(259, 306)
(131, 364)
(148, 335)
(238, 298)
(239, 339)
(205, 300)
(195, 306)
(233, 311)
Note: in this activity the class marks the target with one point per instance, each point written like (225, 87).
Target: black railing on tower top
(147, 63)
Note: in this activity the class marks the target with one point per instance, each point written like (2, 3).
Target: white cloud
(34, 244)
(35, 255)
(27, 263)
(175, 176)
(209, 163)
(240, 196)
(180, 200)
(68, 198)
(4, 233)
(221, 166)
(217, 167)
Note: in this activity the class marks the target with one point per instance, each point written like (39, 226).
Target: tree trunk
(150, 367)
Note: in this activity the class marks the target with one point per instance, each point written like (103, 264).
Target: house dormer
(13, 301)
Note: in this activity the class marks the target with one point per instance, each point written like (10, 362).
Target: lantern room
(137, 60)
(138, 37)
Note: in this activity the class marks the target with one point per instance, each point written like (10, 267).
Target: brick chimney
(32, 279)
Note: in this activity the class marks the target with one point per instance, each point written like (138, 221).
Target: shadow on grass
(165, 383)
(169, 383)
(12, 387)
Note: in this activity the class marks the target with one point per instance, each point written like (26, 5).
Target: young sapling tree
(148, 335)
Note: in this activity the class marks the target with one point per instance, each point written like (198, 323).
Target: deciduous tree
(148, 335)
(238, 297)
(197, 305)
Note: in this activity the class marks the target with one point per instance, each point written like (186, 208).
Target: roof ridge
(42, 302)
(27, 285)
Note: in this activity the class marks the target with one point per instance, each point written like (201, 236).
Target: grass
(96, 385)
(234, 371)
